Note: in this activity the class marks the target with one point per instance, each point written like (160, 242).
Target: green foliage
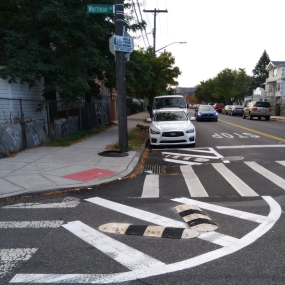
(260, 73)
(148, 77)
(229, 85)
(58, 42)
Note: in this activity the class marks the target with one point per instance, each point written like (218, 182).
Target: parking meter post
(120, 77)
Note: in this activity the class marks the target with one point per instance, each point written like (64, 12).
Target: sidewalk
(43, 169)
(277, 118)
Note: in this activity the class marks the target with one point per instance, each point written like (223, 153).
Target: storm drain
(155, 169)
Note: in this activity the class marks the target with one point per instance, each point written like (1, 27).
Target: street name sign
(100, 9)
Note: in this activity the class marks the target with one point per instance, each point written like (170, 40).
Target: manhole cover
(231, 158)
(113, 153)
(155, 169)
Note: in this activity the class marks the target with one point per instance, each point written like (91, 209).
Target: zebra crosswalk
(246, 179)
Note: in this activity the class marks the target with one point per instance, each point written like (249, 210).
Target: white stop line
(155, 267)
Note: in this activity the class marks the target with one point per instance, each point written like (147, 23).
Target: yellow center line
(254, 131)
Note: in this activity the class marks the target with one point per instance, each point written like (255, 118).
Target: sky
(219, 34)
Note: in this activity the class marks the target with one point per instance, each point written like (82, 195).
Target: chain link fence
(28, 123)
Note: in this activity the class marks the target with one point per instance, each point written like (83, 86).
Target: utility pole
(154, 29)
(120, 78)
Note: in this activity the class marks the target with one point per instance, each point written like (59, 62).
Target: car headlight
(199, 113)
(217, 114)
(154, 131)
(190, 131)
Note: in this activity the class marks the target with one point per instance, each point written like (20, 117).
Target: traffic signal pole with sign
(120, 78)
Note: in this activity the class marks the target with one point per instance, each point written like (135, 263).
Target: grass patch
(75, 137)
(136, 140)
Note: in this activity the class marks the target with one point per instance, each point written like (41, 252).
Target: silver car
(257, 109)
(236, 110)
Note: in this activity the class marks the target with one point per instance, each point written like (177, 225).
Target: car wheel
(250, 116)
(191, 144)
(216, 120)
(243, 116)
(267, 118)
(259, 118)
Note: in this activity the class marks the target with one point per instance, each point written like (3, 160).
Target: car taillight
(269, 110)
(254, 109)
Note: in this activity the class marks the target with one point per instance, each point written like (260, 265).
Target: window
(170, 116)
(275, 71)
(262, 104)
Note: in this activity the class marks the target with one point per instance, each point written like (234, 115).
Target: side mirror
(192, 119)
(148, 119)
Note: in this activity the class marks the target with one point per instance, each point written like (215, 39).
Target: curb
(80, 186)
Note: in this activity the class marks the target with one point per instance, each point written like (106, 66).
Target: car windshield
(170, 116)
(262, 104)
(171, 102)
(206, 108)
(219, 104)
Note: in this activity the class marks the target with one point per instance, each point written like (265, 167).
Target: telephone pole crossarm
(155, 11)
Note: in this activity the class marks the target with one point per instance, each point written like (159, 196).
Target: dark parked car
(206, 112)
(226, 109)
(257, 109)
(219, 107)
(236, 110)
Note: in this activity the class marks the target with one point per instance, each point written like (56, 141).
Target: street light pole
(120, 78)
(171, 44)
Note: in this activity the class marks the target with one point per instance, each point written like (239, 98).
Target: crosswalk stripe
(219, 239)
(151, 186)
(223, 210)
(125, 255)
(267, 174)
(30, 224)
(242, 188)
(195, 187)
(281, 162)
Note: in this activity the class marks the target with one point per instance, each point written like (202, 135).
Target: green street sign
(100, 9)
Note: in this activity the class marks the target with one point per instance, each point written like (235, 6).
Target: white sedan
(172, 127)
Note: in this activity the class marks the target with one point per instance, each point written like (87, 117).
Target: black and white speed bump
(148, 231)
(195, 218)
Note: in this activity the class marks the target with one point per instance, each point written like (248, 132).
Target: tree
(259, 72)
(243, 83)
(148, 77)
(58, 42)
(225, 86)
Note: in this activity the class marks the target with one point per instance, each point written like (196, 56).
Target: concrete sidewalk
(43, 169)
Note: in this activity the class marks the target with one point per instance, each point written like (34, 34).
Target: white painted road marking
(181, 161)
(30, 224)
(151, 186)
(250, 146)
(281, 162)
(152, 218)
(125, 255)
(242, 188)
(68, 202)
(223, 210)
(195, 187)
(10, 256)
(267, 174)
(271, 219)
(192, 155)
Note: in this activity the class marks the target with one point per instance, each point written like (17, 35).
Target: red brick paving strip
(89, 174)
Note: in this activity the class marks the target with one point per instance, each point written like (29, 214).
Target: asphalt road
(237, 165)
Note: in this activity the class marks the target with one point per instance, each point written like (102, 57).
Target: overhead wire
(142, 19)
(134, 6)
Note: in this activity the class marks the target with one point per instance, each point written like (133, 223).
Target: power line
(142, 19)
(138, 21)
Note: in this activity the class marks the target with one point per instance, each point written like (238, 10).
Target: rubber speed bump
(148, 231)
(196, 218)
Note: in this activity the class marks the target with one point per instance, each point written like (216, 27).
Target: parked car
(172, 127)
(226, 109)
(168, 101)
(257, 109)
(236, 110)
(219, 107)
(206, 112)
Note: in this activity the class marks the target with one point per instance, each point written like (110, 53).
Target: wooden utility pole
(121, 82)
(154, 26)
